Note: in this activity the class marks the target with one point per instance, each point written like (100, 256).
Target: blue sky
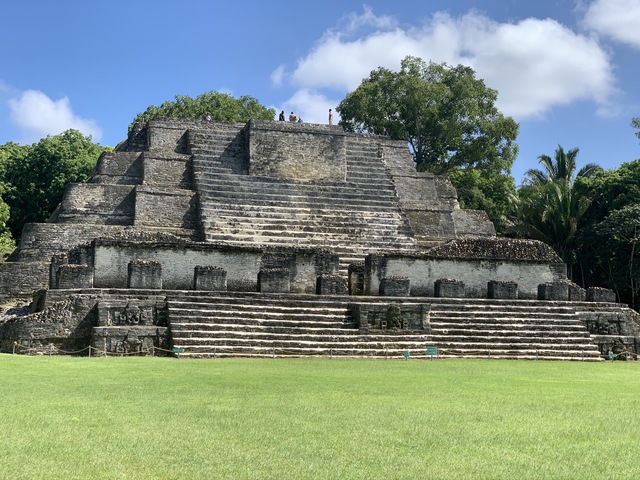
(566, 70)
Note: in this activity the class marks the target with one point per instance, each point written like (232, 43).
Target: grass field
(159, 418)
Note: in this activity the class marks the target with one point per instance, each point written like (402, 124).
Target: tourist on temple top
(299, 119)
(281, 117)
(293, 118)
(207, 117)
(330, 117)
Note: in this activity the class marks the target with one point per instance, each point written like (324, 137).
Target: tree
(550, 205)
(615, 248)
(220, 106)
(10, 153)
(447, 115)
(479, 190)
(607, 242)
(635, 123)
(35, 179)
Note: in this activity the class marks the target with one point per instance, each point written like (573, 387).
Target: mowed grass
(160, 418)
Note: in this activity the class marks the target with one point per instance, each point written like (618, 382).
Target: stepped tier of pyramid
(272, 238)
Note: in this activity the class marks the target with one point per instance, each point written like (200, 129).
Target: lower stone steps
(288, 325)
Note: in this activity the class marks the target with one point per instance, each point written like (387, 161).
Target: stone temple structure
(273, 238)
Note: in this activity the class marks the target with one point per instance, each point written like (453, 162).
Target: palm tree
(549, 208)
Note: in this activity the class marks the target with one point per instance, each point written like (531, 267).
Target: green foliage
(221, 106)
(549, 206)
(447, 115)
(478, 190)
(635, 123)
(153, 418)
(615, 244)
(608, 250)
(35, 178)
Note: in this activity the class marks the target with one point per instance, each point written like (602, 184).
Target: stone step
(327, 242)
(260, 305)
(415, 353)
(386, 233)
(301, 208)
(198, 329)
(302, 318)
(533, 338)
(301, 211)
(328, 195)
(514, 327)
(471, 316)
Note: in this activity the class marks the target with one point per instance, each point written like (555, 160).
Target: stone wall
(176, 209)
(179, 261)
(300, 152)
(118, 168)
(21, 279)
(96, 203)
(167, 172)
(430, 202)
(474, 262)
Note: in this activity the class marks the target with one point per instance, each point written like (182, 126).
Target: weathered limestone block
(395, 286)
(577, 293)
(448, 288)
(209, 277)
(274, 280)
(502, 290)
(74, 276)
(598, 294)
(555, 291)
(356, 279)
(307, 152)
(129, 340)
(331, 285)
(144, 274)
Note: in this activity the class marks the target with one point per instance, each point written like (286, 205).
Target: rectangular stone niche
(274, 280)
(146, 274)
(209, 278)
(502, 290)
(356, 279)
(448, 288)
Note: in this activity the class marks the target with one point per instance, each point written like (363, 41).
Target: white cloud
(618, 19)
(37, 116)
(534, 64)
(277, 76)
(312, 106)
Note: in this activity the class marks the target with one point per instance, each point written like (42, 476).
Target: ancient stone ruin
(271, 239)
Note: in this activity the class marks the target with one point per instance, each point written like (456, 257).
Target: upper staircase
(355, 217)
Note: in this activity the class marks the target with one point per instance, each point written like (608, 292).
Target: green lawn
(159, 418)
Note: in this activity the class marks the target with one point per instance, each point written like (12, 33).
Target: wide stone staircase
(511, 329)
(352, 218)
(260, 325)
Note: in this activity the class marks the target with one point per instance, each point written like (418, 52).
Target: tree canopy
(550, 206)
(220, 106)
(447, 115)
(608, 250)
(34, 177)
